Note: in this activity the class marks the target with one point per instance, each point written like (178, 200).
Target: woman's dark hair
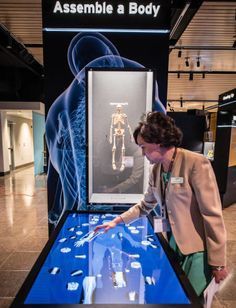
(160, 129)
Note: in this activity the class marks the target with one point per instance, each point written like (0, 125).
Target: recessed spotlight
(198, 61)
(187, 61)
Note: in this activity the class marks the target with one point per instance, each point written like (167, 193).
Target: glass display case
(116, 99)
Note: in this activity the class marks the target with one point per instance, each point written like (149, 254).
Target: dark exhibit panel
(225, 148)
(113, 36)
(193, 127)
(127, 265)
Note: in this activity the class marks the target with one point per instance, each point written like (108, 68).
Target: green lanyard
(165, 177)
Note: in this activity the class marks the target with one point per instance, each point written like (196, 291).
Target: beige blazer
(194, 207)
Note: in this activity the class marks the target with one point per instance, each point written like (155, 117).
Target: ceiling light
(191, 76)
(179, 53)
(178, 75)
(9, 41)
(186, 61)
(198, 61)
(181, 101)
(203, 75)
(169, 105)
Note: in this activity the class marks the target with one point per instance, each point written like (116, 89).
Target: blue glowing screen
(126, 265)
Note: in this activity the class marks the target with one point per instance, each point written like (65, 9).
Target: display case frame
(116, 99)
(20, 298)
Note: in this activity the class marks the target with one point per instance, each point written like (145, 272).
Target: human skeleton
(119, 122)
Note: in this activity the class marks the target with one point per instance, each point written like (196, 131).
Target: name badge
(161, 224)
(176, 180)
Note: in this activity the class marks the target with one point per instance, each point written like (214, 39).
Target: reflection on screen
(125, 265)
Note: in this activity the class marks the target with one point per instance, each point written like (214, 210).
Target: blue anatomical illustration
(66, 121)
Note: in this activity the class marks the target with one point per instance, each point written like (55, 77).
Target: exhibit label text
(103, 8)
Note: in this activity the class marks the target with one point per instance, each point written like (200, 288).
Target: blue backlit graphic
(66, 121)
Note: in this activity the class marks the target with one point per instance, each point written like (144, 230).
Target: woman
(183, 184)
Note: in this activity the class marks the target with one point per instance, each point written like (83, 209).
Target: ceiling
(21, 114)
(209, 36)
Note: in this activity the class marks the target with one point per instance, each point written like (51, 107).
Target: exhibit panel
(225, 148)
(127, 265)
(122, 38)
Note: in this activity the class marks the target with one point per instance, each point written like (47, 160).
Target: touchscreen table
(126, 265)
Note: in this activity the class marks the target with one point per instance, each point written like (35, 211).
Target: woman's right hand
(109, 225)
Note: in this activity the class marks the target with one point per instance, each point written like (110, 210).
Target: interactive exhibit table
(129, 264)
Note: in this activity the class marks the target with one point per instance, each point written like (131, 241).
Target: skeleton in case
(119, 123)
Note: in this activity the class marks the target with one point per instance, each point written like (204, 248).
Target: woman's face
(152, 151)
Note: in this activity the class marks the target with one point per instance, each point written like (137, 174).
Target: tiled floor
(23, 228)
(24, 232)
